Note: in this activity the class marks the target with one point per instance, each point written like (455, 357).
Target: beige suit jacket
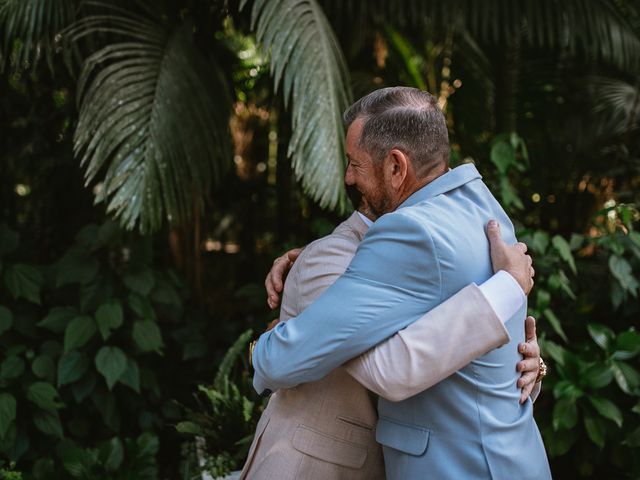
(326, 429)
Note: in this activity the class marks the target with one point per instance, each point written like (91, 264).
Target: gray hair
(404, 118)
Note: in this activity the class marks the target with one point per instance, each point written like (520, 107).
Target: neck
(417, 183)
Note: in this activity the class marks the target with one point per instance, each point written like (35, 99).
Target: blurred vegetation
(156, 156)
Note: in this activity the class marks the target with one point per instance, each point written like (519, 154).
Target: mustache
(354, 195)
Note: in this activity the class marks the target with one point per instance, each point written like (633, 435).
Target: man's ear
(397, 167)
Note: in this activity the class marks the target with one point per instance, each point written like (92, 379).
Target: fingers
(526, 392)
(274, 281)
(493, 231)
(530, 332)
(293, 254)
(522, 247)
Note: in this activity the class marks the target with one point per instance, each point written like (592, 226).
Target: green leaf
(111, 454)
(622, 271)
(540, 242)
(131, 376)
(563, 248)
(11, 368)
(565, 414)
(636, 408)
(24, 281)
(141, 306)
(633, 439)
(6, 319)
(555, 323)
(109, 317)
(43, 367)
(44, 395)
(79, 332)
(147, 336)
(83, 387)
(543, 299)
(595, 430)
(76, 266)
(58, 318)
(627, 345)
(306, 55)
(607, 409)
(7, 412)
(602, 335)
(71, 367)
(502, 155)
(567, 390)
(111, 362)
(555, 351)
(141, 280)
(48, 423)
(190, 428)
(627, 377)
(598, 375)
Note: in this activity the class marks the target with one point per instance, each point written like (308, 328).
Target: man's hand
(531, 363)
(510, 258)
(275, 278)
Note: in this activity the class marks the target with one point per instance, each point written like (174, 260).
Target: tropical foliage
(188, 123)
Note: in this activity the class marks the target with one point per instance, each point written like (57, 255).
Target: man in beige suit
(326, 429)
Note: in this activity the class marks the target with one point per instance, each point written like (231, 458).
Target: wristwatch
(542, 371)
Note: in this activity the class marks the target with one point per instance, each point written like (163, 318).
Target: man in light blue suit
(428, 243)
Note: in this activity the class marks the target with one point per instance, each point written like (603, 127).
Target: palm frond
(307, 62)
(615, 105)
(28, 29)
(153, 119)
(594, 29)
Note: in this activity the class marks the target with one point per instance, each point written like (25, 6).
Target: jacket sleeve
(392, 281)
(443, 341)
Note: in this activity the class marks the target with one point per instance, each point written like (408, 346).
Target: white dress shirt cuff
(504, 295)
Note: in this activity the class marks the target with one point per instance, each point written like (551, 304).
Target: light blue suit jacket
(470, 425)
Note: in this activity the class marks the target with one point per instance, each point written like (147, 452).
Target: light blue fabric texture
(469, 426)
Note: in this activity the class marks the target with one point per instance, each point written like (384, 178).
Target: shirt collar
(444, 183)
(366, 220)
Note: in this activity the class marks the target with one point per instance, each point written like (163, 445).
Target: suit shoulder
(333, 246)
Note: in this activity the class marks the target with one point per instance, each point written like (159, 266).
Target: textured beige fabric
(326, 429)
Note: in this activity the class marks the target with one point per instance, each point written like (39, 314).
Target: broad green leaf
(555, 323)
(602, 335)
(109, 317)
(44, 395)
(84, 387)
(79, 332)
(540, 242)
(58, 318)
(111, 454)
(622, 271)
(111, 362)
(11, 368)
(43, 367)
(563, 248)
(627, 345)
(141, 306)
(306, 55)
(76, 266)
(71, 367)
(598, 375)
(141, 280)
(502, 155)
(595, 430)
(607, 409)
(555, 351)
(558, 443)
(7, 412)
(23, 281)
(627, 377)
(564, 389)
(6, 319)
(131, 376)
(565, 414)
(543, 299)
(635, 238)
(147, 336)
(48, 423)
